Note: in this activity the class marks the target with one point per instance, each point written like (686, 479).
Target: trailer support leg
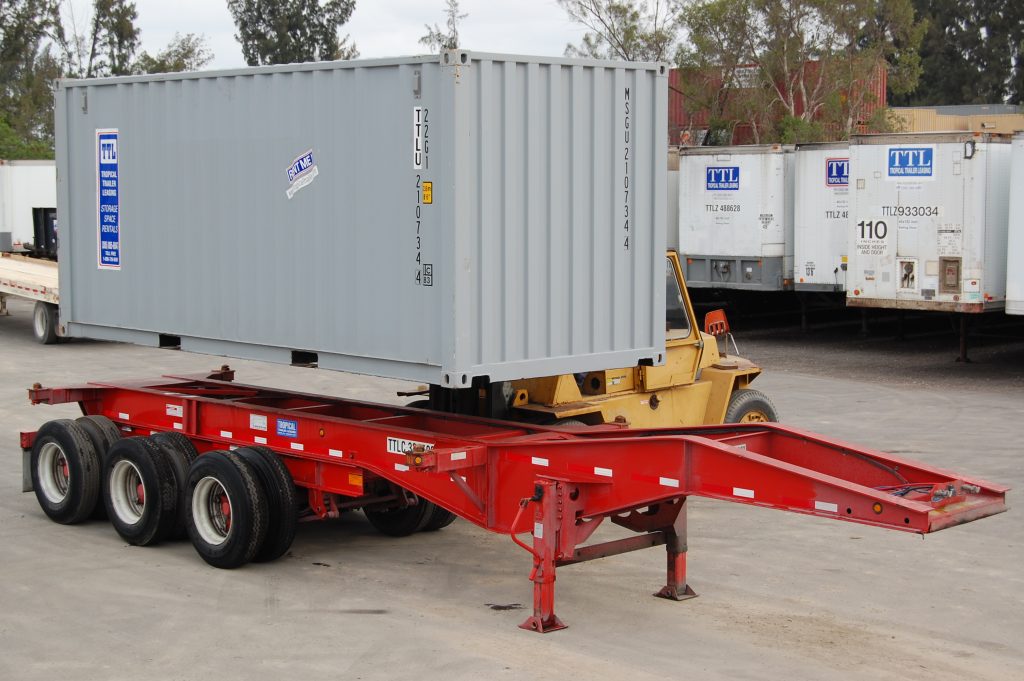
(676, 588)
(963, 340)
(546, 530)
(3, 306)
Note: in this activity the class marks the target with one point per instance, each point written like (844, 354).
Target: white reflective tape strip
(232, 447)
(297, 446)
(123, 416)
(668, 482)
(605, 472)
(826, 506)
(401, 467)
(226, 433)
(458, 456)
(336, 452)
(260, 440)
(745, 493)
(538, 530)
(178, 426)
(538, 461)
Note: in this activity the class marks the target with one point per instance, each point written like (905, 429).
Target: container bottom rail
(558, 484)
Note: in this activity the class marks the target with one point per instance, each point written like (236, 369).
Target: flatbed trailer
(559, 484)
(32, 279)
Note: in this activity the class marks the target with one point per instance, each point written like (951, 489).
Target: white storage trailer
(736, 217)
(433, 219)
(821, 188)
(1015, 239)
(928, 221)
(24, 186)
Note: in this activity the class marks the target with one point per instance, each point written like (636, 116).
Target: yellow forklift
(699, 383)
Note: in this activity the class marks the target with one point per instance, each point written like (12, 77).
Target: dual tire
(236, 507)
(422, 516)
(240, 507)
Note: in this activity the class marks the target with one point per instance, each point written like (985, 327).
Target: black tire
(103, 434)
(66, 471)
(137, 464)
(750, 406)
(439, 519)
(232, 541)
(179, 442)
(180, 453)
(401, 522)
(570, 423)
(44, 322)
(419, 404)
(281, 501)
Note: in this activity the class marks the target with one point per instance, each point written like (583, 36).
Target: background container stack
(736, 217)
(1015, 239)
(929, 221)
(821, 210)
(24, 186)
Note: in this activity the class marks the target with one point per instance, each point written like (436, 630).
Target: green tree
(107, 47)
(804, 63)
(27, 71)
(187, 52)
(292, 31)
(630, 30)
(973, 53)
(437, 40)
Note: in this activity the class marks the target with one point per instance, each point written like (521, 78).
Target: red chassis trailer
(558, 484)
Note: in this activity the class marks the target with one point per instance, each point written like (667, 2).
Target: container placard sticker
(837, 172)
(872, 237)
(287, 428)
(911, 163)
(301, 172)
(722, 178)
(108, 200)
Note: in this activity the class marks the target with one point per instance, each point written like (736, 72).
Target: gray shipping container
(433, 219)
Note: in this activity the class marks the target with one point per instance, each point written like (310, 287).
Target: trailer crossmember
(499, 475)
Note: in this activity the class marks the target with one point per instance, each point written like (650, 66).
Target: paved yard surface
(781, 596)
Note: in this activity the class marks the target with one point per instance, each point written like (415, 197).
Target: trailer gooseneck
(412, 469)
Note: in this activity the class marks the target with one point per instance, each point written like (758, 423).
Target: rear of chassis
(557, 484)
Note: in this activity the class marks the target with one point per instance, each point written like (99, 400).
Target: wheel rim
(755, 416)
(39, 322)
(54, 474)
(127, 492)
(211, 511)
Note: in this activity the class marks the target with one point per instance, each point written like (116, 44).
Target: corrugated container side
(821, 216)
(736, 216)
(1015, 245)
(928, 221)
(24, 185)
(512, 265)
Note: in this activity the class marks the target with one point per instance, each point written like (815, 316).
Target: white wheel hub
(127, 492)
(54, 476)
(39, 322)
(211, 511)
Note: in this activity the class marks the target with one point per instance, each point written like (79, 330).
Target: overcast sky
(380, 28)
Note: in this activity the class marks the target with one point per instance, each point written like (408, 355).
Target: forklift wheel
(750, 406)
